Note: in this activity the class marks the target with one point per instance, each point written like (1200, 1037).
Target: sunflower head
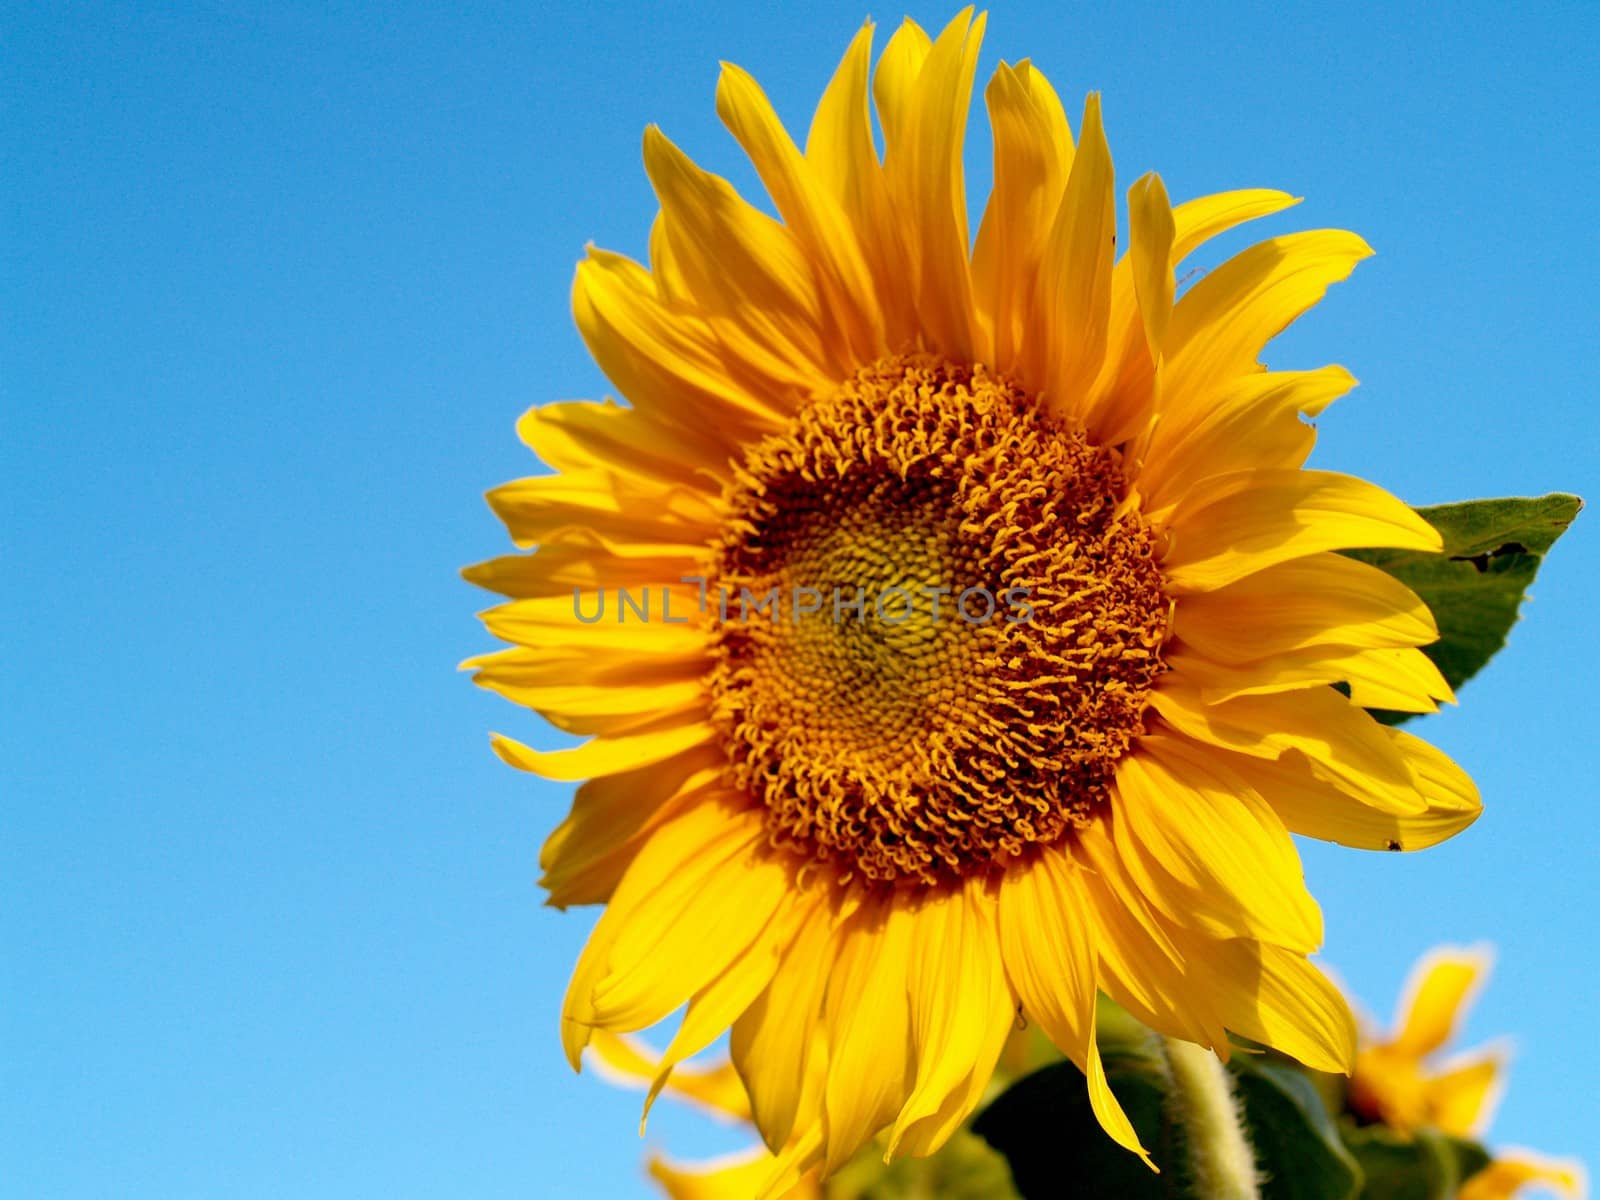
(956, 628)
(956, 567)
(1398, 1080)
(1409, 1080)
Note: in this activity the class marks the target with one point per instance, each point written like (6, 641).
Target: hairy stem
(1220, 1157)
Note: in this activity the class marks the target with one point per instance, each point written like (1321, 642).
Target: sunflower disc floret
(979, 624)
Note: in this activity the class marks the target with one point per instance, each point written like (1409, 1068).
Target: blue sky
(277, 283)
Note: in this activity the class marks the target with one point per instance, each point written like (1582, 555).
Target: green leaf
(1492, 550)
(1045, 1127)
(1426, 1166)
(1297, 1144)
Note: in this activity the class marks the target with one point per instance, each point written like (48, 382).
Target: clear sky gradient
(277, 282)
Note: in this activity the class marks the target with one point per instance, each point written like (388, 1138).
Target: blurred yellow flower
(966, 1165)
(717, 1090)
(1515, 1169)
(1400, 1081)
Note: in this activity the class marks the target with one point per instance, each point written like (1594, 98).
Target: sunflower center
(937, 625)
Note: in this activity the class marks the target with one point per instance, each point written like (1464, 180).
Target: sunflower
(714, 1089)
(1399, 1082)
(955, 627)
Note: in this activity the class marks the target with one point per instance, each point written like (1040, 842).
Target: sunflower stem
(1220, 1156)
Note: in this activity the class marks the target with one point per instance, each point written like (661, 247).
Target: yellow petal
(577, 435)
(1442, 986)
(732, 1177)
(797, 1165)
(1124, 392)
(1513, 1170)
(673, 860)
(961, 1012)
(578, 621)
(584, 709)
(1404, 680)
(584, 857)
(1253, 423)
(545, 507)
(603, 755)
(1152, 230)
(1106, 1107)
(1321, 599)
(839, 144)
(1197, 221)
(1072, 307)
(1462, 1099)
(820, 225)
(871, 1063)
(1315, 808)
(1032, 154)
(622, 1058)
(585, 564)
(923, 168)
(670, 283)
(1342, 744)
(668, 362)
(745, 269)
(1048, 942)
(894, 84)
(770, 1044)
(594, 658)
(1242, 523)
(589, 873)
(715, 1007)
(693, 930)
(1141, 967)
(1275, 996)
(520, 672)
(1444, 784)
(898, 263)
(627, 1061)
(1207, 850)
(1218, 682)
(1222, 324)
(840, 149)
